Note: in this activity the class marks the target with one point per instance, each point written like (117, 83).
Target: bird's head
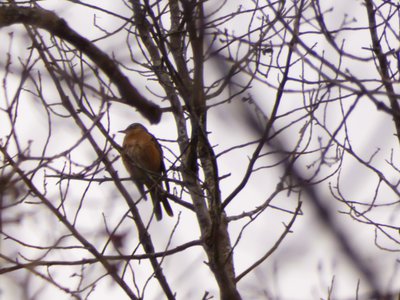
(133, 127)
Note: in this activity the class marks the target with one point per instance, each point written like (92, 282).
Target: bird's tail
(158, 196)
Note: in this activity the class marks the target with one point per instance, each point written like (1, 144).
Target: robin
(143, 158)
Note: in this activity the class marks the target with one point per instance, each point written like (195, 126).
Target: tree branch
(58, 27)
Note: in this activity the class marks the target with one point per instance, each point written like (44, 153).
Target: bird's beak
(122, 131)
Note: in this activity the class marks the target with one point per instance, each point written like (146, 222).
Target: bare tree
(269, 113)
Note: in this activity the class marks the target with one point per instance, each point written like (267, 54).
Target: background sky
(309, 261)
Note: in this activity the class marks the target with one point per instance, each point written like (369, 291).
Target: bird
(143, 159)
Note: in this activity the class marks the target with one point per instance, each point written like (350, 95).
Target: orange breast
(143, 149)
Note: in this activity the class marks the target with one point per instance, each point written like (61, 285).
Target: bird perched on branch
(143, 158)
